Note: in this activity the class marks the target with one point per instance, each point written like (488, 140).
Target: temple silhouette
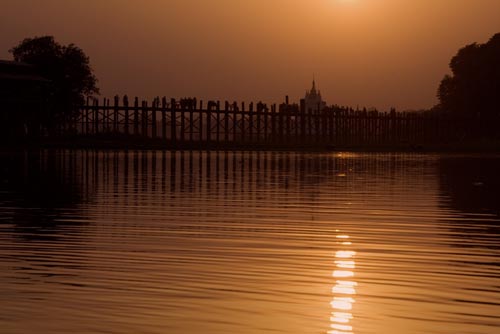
(312, 102)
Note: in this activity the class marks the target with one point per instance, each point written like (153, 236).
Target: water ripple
(165, 242)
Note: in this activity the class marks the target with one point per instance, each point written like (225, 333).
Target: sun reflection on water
(344, 290)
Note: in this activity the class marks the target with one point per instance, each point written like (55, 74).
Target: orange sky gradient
(373, 53)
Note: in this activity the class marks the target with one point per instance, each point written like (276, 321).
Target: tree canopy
(66, 66)
(474, 88)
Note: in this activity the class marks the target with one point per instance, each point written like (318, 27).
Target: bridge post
(209, 123)
(96, 116)
(183, 123)
(200, 125)
(218, 122)
(259, 115)
(266, 124)
(192, 105)
(164, 118)
(156, 103)
(87, 117)
(273, 123)
(226, 122)
(126, 120)
(250, 124)
(144, 119)
(243, 121)
(115, 114)
(136, 116)
(173, 122)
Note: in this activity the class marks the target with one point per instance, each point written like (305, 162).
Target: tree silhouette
(474, 88)
(67, 67)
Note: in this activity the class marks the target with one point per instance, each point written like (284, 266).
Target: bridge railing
(193, 122)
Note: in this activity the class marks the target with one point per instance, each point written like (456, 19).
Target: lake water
(162, 242)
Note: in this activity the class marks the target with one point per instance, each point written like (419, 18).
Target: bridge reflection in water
(344, 290)
(248, 242)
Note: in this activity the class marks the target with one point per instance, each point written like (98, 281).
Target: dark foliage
(474, 88)
(67, 67)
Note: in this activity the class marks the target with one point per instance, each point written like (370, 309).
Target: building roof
(17, 71)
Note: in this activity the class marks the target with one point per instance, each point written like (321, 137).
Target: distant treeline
(468, 109)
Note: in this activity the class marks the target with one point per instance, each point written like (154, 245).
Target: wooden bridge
(192, 123)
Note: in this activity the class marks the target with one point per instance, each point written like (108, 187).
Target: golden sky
(374, 53)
